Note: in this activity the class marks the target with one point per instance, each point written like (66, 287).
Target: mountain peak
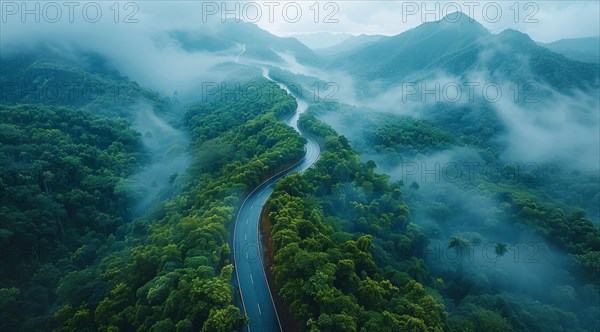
(456, 17)
(515, 37)
(461, 20)
(512, 33)
(457, 23)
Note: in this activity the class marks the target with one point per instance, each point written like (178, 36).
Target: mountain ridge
(459, 48)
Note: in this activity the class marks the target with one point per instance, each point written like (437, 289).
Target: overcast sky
(543, 20)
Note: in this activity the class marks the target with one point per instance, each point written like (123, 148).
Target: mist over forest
(443, 173)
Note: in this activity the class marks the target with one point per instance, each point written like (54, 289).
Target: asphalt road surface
(257, 299)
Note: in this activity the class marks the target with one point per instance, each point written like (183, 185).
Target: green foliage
(409, 136)
(458, 243)
(211, 118)
(74, 260)
(164, 277)
(315, 127)
(479, 319)
(548, 200)
(590, 264)
(46, 77)
(572, 231)
(7, 296)
(172, 270)
(221, 320)
(331, 227)
(500, 249)
(58, 175)
(489, 312)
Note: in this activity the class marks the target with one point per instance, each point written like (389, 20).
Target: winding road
(256, 296)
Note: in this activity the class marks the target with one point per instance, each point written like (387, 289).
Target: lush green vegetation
(410, 136)
(353, 251)
(539, 217)
(103, 228)
(73, 258)
(343, 247)
(172, 270)
(88, 83)
(59, 173)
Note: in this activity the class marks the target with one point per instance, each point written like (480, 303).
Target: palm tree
(500, 249)
(459, 244)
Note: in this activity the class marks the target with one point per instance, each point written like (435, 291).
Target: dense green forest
(533, 219)
(73, 257)
(60, 167)
(88, 83)
(344, 247)
(172, 269)
(441, 179)
(352, 248)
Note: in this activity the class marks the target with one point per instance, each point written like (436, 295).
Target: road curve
(256, 296)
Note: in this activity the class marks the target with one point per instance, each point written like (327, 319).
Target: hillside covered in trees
(493, 228)
(177, 167)
(75, 259)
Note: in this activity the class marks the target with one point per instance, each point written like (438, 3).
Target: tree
(8, 295)
(223, 320)
(343, 322)
(364, 243)
(459, 244)
(371, 293)
(500, 249)
(165, 325)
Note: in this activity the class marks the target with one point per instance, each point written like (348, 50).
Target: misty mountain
(349, 44)
(320, 40)
(231, 37)
(458, 46)
(81, 79)
(410, 51)
(131, 156)
(580, 49)
(87, 82)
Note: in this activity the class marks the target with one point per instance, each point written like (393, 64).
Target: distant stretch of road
(257, 299)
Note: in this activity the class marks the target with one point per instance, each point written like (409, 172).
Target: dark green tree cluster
(72, 258)
(46, 77)
(210, 118)
(396, 137)
(171, 271)
(511, 312)
(550, 204)
(409, 137)
(571, 231)
(332, 229)
(525, 190)
(58, 172)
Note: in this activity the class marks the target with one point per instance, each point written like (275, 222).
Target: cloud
(141, 49)
(544, 21)
(559, 129)
(168, 147)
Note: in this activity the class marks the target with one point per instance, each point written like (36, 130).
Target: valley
(180, 174)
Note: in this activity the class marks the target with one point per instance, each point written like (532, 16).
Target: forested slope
(59, 173)
(73, 258)
(172, 268)
(345, 249)
(495, 229)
